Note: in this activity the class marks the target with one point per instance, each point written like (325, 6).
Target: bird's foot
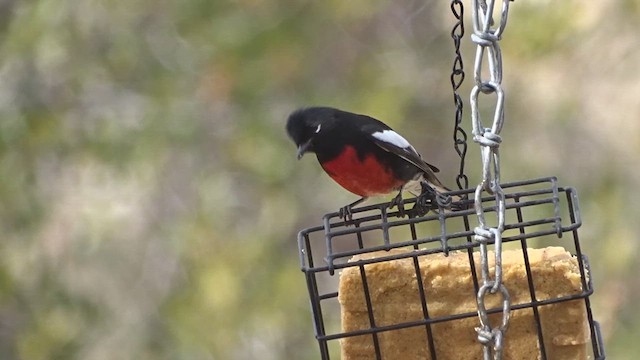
(397, 201)
(429, 199)
(443, 200)
(422, 206)
(346, 213)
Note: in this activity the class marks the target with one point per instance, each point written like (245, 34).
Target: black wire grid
(539, 213)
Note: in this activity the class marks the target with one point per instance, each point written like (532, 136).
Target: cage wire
(539, 212)
(528, 214)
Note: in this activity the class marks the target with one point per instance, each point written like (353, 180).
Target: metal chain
(486, 36)
(457, 77)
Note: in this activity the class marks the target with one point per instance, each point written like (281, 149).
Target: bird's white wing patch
(392, 137)
(393, 142)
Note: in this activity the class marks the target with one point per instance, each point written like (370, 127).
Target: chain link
(457, 77)
(486, 36)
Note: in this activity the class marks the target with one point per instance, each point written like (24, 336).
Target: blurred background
(149, 196)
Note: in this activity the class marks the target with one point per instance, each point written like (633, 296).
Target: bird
(365, 156)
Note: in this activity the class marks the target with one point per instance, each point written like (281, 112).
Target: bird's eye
(318, 128)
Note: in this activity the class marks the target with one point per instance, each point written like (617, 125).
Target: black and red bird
(362, 154)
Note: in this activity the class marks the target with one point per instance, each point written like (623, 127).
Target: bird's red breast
(365, 177)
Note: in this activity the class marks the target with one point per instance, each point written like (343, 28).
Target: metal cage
(538, 213)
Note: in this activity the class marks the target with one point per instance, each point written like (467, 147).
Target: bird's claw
(443, 200)
(397, 201)
(422, 206)
(346, 213)
(429, 199)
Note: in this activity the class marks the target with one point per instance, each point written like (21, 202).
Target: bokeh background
(149, 196)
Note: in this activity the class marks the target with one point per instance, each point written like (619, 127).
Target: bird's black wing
(389, 140)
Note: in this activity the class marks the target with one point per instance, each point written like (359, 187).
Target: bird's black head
(305, 126)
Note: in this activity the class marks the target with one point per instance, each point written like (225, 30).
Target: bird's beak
(303, 148)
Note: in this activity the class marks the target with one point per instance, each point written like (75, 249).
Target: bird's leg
(345, 211)
(397, 201)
